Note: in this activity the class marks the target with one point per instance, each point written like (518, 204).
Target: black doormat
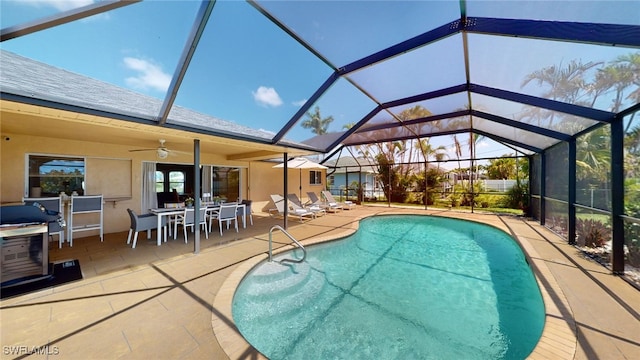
(59, 273)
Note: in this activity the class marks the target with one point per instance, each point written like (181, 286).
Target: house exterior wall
(259, 179)
(265, 181)
(340, 181)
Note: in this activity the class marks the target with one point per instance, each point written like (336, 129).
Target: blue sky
(248, 71)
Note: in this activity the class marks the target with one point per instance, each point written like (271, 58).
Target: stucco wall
(265, 180)
(262, 178)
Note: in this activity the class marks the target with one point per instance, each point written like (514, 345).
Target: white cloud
(61, 5)
(150, 76)
(64, 5)
(267, 96)
(299, 102)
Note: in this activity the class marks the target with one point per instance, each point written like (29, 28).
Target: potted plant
(189, 201)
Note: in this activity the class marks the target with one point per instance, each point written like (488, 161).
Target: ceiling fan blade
(134, 150)
(175, 152)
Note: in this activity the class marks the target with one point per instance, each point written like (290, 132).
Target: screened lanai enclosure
(554, 83)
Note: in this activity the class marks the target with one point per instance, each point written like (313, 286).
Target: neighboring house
(344, 171)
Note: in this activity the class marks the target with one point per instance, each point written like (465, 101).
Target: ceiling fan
(161, 151)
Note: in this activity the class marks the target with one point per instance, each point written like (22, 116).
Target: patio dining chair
(247, 210)
(144, 222)
(188, 220)
(227, 214)
(172, 219)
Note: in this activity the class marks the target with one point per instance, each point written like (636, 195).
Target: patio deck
(165, 302)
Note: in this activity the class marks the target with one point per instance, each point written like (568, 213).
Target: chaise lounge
(301, 214)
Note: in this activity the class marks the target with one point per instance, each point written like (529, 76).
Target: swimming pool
(400, 287)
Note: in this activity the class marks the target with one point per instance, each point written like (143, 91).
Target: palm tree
(316, 123)
(564, 83)
(631, 64)
(632, 153)
(632, 140)
(474, 139)
(458, 151)
(427, 150)
(502, 168)
(415, 112)
(617, 77)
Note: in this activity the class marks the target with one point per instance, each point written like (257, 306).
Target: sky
(248, 71)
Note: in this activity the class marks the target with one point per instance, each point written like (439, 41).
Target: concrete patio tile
(166, 302)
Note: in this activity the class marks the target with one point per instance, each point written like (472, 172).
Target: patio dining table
(160, 212)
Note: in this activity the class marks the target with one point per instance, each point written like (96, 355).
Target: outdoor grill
(23, 238)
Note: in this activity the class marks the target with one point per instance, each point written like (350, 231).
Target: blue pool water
(401, 287)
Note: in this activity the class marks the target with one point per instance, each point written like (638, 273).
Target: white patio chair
(347, 205)
(227, 213)
(301, 214)
(296, 203)
(188, 220)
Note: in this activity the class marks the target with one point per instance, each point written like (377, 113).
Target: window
(168, 180)
(177, 181)
(223, 182)
(315, 177)
(226, 183)
(51, 175)
(159, 181)
(330, 180)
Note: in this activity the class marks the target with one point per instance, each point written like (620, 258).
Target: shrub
(592, 233)
(518, 197)
(490, 201)
(454, 200)
(632, 235)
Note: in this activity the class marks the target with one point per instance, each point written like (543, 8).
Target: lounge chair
(278, 200)
(295, 203)
(329, 207)
(347, 205)
(313, 199)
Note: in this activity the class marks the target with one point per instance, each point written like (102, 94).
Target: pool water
(401, 287)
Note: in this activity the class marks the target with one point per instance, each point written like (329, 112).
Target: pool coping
(558, 339)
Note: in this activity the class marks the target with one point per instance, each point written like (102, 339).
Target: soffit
(18, 118)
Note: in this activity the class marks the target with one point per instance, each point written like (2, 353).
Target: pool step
(275, 280)
(284, 296)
